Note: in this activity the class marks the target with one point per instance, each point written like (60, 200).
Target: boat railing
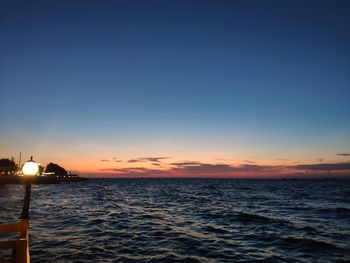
(20, 247)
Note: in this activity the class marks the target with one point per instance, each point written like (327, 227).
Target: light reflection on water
(193, 220)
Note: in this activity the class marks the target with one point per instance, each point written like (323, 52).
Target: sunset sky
(177, 88)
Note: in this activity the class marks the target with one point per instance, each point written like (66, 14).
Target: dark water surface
(193, 220)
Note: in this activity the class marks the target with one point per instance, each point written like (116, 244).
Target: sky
(177, 88)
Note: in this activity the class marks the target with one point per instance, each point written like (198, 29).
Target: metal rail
(20, 247)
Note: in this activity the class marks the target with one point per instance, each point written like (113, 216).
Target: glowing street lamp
(29, 168)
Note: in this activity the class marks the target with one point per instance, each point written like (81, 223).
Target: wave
(186, 221)
(307, 244)
(246, 217)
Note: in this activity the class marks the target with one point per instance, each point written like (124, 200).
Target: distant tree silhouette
(55, 168)
(7, 166)
(41, 169)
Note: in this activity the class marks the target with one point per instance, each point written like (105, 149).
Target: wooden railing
(20, 247)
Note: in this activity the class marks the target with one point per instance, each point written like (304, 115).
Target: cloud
(324, 167)
(185, 163)
(154, 159)
(343, 154)
(220, 159)
(247, 161)
(114, 159)
(202, 168)
(124, 169)
(133, 161)
(189, 168)
(148, 159)
(281, 159)
(198, 167)
(134, 171)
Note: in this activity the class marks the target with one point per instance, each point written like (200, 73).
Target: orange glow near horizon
(186, 167)
(92, 159)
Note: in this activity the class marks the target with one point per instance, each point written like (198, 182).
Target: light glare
(30, 168)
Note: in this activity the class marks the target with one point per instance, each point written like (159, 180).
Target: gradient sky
(225, 87)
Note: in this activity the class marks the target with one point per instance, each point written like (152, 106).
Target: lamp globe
(30, 168)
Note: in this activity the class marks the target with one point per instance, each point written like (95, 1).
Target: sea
(185, 220)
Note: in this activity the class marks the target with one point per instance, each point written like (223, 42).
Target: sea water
(185, 220)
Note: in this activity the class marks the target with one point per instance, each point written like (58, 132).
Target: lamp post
(29, 168)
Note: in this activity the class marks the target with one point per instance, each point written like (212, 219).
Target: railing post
(26, 202)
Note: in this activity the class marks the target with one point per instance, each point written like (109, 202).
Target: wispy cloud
(148, 159)
(220, 159)
(154, 159)
(114, 159)
(343, 154)
(199, 169)
(248, 161)
(186, 163)
(134, 171)
(323, 167)
(133, 161)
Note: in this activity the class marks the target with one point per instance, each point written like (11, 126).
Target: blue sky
(231, 78)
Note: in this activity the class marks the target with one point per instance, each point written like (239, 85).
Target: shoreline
(8, 179)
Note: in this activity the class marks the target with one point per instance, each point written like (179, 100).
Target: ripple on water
(186, 220)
